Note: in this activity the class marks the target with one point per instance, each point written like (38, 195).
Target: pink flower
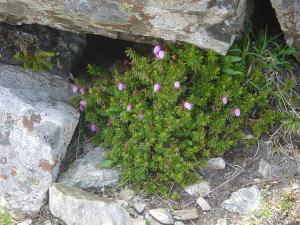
(129, 107)
(188, 105)
(235, 111)
(177, 85)
(121, 86)
(81, 90)
(140, 115)
(75, 89)
(82, 105)
(81, 108)
(224, 99)
(135, 92)
(218, 108)
(94, 127)
(160, 54)
(156, 87)
(156, 49)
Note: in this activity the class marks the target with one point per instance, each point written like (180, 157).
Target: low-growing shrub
(167, 114)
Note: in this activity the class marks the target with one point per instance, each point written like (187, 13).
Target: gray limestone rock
(207, 24)
(203, 204)
(243, 201)
(288, 15)
(126, 194)
(77, 207)
(161, 215)
(185, 214)
(89, 173)
(198, 189)
(139, 207)
(265, 168)
(37, 122)
(216, 164)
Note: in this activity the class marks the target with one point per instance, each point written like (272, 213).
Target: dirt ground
(281, 202)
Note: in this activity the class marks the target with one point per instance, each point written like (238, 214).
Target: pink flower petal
(75, 89)
(224, 99)
(156, 87)
(237, 112)
(177, 85)
(121, 86)
(156, 49)
(188, 105)
(140, 115)
(129, 107)
(160, 55)
(218, 108)
(83, 103)
(81, 90)
(94, 127)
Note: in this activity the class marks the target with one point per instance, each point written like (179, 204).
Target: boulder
(36, 125)
(207, 24)
(88, 172)
(76, 207)
(288, 15)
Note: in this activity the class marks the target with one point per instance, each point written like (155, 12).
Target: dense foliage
(168, 113)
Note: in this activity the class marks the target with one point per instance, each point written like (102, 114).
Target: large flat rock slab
(36, 126)
(206, 23)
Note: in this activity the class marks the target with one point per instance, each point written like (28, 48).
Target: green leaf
(114, 109)
(106, 163)
(189, 142)
(78, 184)
(231, 71)
(255, 85)
(232, 58)
(171, 46)
(288, 66)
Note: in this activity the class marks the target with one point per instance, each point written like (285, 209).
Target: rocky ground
(271, 166)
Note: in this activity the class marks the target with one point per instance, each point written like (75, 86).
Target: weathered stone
(221, 221)
(89, 173)
(36, 125)
(185, 214)
(265, 168)
(288, 15)
(139, 207)
(161, 215)
(138, 221)
(75, 206)
(207, 24)
(25, 222)
(126, 194)
(216, 164)
(179, 223)
(203, 204)
(243, 201)
(200, 189)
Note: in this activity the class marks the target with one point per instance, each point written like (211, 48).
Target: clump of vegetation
(5, 219)
(168, 114)
(36, 61)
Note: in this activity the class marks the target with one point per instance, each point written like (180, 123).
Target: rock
(37, 122)
(288, 16)
(203, 204)
(89, 173)
(132, 212)
(264, 168)
(185, 214)
(126, 194)
(207, 24)
(139, 207)
(179, 223)
(161, 215)
(243, 201)
(138, 221)
(198, 189)
(216, 163)
(25, 222)
(75, 206)
(221, 221)
(150, 219)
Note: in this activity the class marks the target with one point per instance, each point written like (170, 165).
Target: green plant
(31, 40)
(165, 116)
(287, 201)
(5, 219)
(35, 61)
(95, 70)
